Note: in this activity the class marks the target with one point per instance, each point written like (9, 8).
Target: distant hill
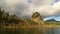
(52, 21)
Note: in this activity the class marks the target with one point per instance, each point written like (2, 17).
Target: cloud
(18, 7)
(26, 8)
(38, 3)
(49, 10)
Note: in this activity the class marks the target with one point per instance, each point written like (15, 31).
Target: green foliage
(6, 18)
(36, 14)
(52, 22)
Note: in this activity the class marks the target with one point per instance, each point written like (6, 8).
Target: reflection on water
(57, 31)
(29, 30)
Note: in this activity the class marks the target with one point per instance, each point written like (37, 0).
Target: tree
(1, 12)
(36, 14)
(36, 17)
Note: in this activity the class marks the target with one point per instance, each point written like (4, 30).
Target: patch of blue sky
(57, 18)
(54, 1)
(48, 18)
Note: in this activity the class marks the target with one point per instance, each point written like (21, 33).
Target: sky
(25, 8)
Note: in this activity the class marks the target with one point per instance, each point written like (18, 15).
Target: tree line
(6, 18)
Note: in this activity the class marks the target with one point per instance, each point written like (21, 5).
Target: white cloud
(15, 6)
(24, 8)
(49, 10)
(38, 3)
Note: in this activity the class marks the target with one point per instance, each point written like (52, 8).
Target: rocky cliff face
(36, 17)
